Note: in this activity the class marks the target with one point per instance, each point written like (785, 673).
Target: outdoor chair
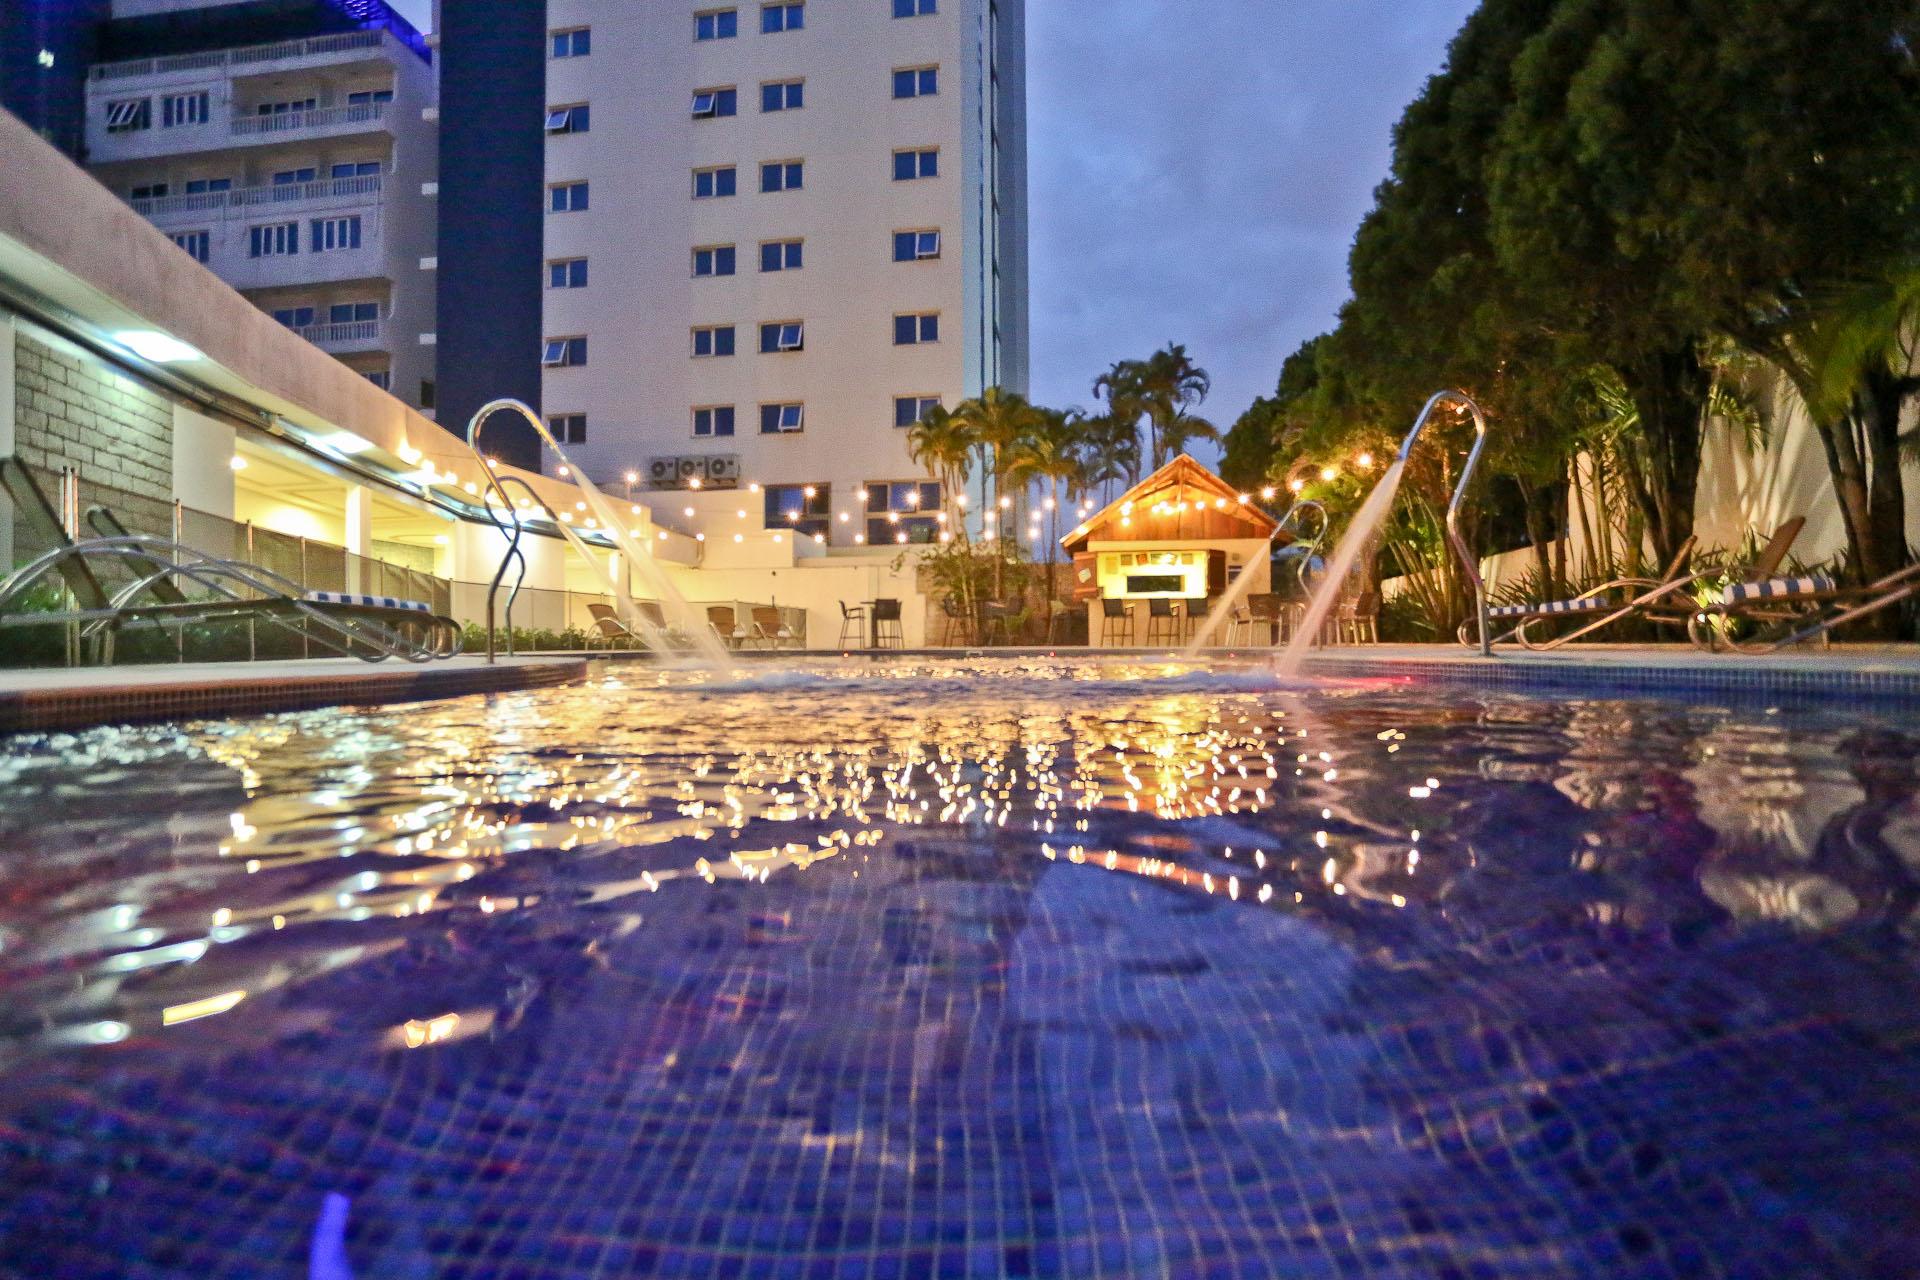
(771, 627)
(1115, 616)
(1766, 614)
(853, 618)
(953, 618)
(608, 628)
(887, 631)
(1059, 617)
(1000, 616)
(1194, 615)
(726, 628)
(1357, 619)
(1269, 611)
(367, 627)
(1163, 624)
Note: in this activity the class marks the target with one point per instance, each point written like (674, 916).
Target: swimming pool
(991, 968)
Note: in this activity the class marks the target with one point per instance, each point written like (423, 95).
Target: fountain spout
(1469, 563)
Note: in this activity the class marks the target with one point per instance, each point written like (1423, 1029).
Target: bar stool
(853, 619)
(887, 631)
(1115, 615)
(1160, 611)
(953, 618)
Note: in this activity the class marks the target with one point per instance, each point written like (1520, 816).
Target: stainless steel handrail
(1468, 561)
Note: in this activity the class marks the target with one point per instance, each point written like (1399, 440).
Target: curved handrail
(1468, 561)
(1302, 507)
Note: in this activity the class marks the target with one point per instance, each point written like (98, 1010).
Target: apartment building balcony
(352, 337)
(281, 56)
(238, 129)
(275, 246)
(252, 202)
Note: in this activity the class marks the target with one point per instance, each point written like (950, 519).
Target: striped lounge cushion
(1552, 606)
(1777, 589)
(365, 602)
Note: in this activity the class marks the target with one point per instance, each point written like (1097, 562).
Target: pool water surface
(966, 969)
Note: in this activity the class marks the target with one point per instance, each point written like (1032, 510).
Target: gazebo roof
(1181, 502)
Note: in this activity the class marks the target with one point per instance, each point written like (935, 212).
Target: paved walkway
(74, 698)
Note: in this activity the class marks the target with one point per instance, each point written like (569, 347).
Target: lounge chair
(726, 627)
(1765, 614)
(608, 627)
(770, 627)
(367, 627)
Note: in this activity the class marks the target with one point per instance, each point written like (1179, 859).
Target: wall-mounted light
(237, 462)
(160, 348)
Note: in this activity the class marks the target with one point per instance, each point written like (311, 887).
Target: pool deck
(67, 699)
(77, 698)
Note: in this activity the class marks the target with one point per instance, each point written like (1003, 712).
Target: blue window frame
(287, 177)
(782, 175)
(710, 104)
(921, 163)
(915, 8)
(275, 240)
(183, 108)
(916, 82)
(908, 410)
(715, 420)
(577, 43)
(712, 184)
(200, 186)
(915, 246)
(783, 95)
(788, 16)
(369, 97)
(562, 353)
(781, 419)
(294, 317)
(327, 234)
(716, 260)
(782, 335)
(567, 273)
(572, 119)
(352, 312)
(568, 428)
(803, 508)
(713, 340)
(780, 255)
(720, 24)
(354, 169)
(912, 330)
(196, 243)
(567, 197)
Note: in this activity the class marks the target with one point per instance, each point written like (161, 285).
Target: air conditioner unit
(724, 469)
(663, 473)
(693, 468)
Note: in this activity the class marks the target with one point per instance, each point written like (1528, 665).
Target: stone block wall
(71, 410)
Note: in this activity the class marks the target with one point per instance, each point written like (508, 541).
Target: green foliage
(528, 639)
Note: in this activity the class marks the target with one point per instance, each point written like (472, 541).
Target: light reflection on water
(345, 888)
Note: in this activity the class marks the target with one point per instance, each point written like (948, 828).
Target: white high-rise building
(776, 233)
(294, 153)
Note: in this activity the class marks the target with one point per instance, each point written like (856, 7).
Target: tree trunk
(1670, 392)
(1882, 395)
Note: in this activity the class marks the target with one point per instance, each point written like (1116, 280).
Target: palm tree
(1184, 428)
(1166, 384)
(1110, 451)
(943, 443)
(1121, 386)
(1050, 452)
(995, 421)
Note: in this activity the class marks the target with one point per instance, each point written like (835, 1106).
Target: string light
(1266, 494)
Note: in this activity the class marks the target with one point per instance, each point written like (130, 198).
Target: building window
(568, 428)
(288, 177)
(355, 169)
(921, 163)
(564, 353)
(368, 98)
(804, 508)
(201, 186)
(130, 115)
(183, 108)
(567, 273)
(783, 95)
(710, 104)
(716, 260)
(781, 175)
(353, 312)
(381, 378)
(286, 108)
(714, 420)
(196, 243)
(915, 246)
(721, 24)
(571, 119)
(335, 233)
(783, 335)
(713, 340)
(916, 82)
(567, 197)
(782, 17)
(274, 240)
(782, 419)
(711, 184)
(912, 330)
(148, 191)
(909, 410)
(294, 317)
(780, 255)
(576, 43)
(914, 8)
(902, 511)
(428, 393)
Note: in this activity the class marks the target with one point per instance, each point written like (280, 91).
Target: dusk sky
(1197, 172)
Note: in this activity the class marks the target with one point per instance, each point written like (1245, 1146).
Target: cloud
(1197, 171)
